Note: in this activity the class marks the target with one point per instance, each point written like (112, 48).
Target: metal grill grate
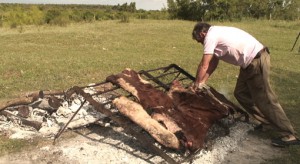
(160, 78)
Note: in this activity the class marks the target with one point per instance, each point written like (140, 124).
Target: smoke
(224, 90)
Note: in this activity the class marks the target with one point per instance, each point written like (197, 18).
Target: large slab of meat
(177, 119)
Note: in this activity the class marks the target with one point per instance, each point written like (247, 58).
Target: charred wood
(17, 101)
(32, 98)
(23, 111)
(11, 116)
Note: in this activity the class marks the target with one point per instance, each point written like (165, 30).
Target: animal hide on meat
(187, 114)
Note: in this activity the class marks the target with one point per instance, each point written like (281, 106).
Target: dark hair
(200, 27)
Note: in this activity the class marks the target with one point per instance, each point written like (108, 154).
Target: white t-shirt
(231, 45)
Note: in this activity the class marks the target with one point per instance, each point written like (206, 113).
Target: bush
(13, 25)
(60, 21)
(55, 17)
(88, 16)
(124, 18)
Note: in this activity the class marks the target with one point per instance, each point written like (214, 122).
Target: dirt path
(252, 150)
(105, 145)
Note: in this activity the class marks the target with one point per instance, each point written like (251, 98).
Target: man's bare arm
(206, 67)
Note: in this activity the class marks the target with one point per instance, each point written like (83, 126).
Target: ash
(51, 119)
(107, 143)
(225, 145)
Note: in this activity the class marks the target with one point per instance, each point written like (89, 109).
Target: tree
(285, 9)
(258, 9)
(217, 9)
(197, 10)
(56, 17)
(172, 8)
(36, 15)
(88, 16)
(125, 7)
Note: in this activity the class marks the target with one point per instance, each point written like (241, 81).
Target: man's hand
(202, 86)
(199, 86)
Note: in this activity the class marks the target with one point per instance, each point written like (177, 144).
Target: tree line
(205, 10)
(14, 15)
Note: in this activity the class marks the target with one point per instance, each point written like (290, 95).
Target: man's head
(200, 31)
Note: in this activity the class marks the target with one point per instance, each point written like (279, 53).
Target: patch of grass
(293, 153)
(11, 146)
(8, 146)
(57, 58)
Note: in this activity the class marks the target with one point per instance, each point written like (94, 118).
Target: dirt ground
(98, 144)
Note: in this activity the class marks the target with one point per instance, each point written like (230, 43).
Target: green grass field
(57, 58)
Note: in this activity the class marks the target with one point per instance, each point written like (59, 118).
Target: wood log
(34, 124)
(32, 97)
(137, 114)
(41, 94)
(17, 101)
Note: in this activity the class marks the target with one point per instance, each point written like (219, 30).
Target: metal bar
(295, 41)
(163, 85)
(181, 79)
(190, 157)
(109, 90)
(160, 68)
(165, 74)
(62, 130)
(101, 83)
(145, 141)
(184, 78)
(176, 76)
(184, 72)
(154, 79)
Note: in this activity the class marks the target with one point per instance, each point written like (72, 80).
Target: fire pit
(46, 113)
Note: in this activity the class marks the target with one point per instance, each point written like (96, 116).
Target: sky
(140, 4)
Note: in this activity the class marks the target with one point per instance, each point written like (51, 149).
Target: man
(252, 90)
